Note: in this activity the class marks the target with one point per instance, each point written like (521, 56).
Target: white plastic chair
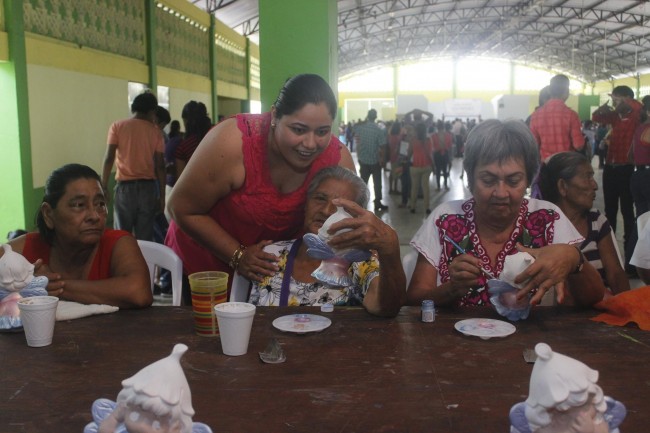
(408, 263)
(641, 221)
(164, 257)
(239, 288)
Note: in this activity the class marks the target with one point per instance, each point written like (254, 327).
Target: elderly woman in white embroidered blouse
(500, 160)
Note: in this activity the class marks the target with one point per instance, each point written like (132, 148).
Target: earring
(272, 125)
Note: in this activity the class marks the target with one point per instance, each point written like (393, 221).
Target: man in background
(370, 153)
(556, 127)
(135, 145)
(624, 118)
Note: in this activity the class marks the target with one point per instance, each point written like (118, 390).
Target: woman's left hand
(55, 283)
(367, 231)
(552, 266)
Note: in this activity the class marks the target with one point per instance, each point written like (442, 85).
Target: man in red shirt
(556, 127)
(624, 118)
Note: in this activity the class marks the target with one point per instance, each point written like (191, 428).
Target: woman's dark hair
(396, 128)
(195, 116)
(55, 189)
(304, 89)
(421, 131)
(144, 103)
(646, 108)
(174, 129)
(563, 165)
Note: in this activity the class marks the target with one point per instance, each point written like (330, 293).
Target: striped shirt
(599, 228)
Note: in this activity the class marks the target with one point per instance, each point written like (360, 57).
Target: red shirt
(36, 248)
(641, 147)
(623, 128)
(556, 128)
(442, 148)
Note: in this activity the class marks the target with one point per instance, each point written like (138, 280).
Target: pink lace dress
(257, 211)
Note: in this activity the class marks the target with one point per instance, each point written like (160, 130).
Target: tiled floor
(406, 223)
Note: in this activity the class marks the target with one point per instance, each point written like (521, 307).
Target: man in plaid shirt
(556, 127)
(624, 118)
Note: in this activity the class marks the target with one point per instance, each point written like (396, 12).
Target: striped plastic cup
(208, 289)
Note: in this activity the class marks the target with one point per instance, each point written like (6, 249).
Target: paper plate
(485, 328)
(301, 323)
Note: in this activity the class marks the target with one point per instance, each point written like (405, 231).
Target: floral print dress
(539, 223)
(267, 292)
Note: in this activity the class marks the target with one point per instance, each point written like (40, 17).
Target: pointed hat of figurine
(555, 377)
(165, 379)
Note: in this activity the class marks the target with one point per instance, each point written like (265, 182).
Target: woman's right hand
(464, 272)
(55, 284)
(255, 263)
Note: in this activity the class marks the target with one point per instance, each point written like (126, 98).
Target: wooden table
(362, 374)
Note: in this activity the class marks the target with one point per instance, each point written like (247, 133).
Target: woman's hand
(255, 264)
(552, 266)
(367, 232)
(55, 284)
(464, 272)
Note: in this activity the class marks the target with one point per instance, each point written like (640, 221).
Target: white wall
(70, 113)
(179, 97)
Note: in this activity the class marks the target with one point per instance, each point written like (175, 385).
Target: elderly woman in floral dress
(500, 160)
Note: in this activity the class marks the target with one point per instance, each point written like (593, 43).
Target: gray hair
(341, 173)
(496, 141)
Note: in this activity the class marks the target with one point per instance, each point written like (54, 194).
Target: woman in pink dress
(245, 186)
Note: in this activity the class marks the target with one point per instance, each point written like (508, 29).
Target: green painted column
(296, 36)
(246, 104)
(152, 61)
(214, 98)
(19, 200)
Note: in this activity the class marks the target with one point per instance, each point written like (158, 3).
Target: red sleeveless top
(36, 248)
(257, 211)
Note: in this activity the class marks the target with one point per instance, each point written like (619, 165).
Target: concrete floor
(406, 223)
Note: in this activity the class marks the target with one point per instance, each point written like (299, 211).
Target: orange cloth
(626, 307)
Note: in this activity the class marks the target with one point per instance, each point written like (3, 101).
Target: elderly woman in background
(500, 160)
(567, 179)
(84, 261)
(379, 289)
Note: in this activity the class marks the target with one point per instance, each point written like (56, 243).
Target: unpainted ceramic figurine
(333, 269)
(16, 281)
(156, 399)
(503, 292)
(564, 398)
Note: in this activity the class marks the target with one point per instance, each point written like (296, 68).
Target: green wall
(12, 214)
(299, 37)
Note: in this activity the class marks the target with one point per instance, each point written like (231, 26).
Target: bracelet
(236, 257)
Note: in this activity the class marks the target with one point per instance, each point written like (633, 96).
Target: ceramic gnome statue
(503, 291)
(333, 270)
(16, 281)
(564, 398)
(156, 399)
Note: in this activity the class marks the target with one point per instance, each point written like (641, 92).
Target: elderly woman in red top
(84, 261)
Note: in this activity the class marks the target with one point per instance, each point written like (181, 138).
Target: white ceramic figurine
(16, 281)
(564, 398)
(333, 270)
(156, 399)
(503, 291)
